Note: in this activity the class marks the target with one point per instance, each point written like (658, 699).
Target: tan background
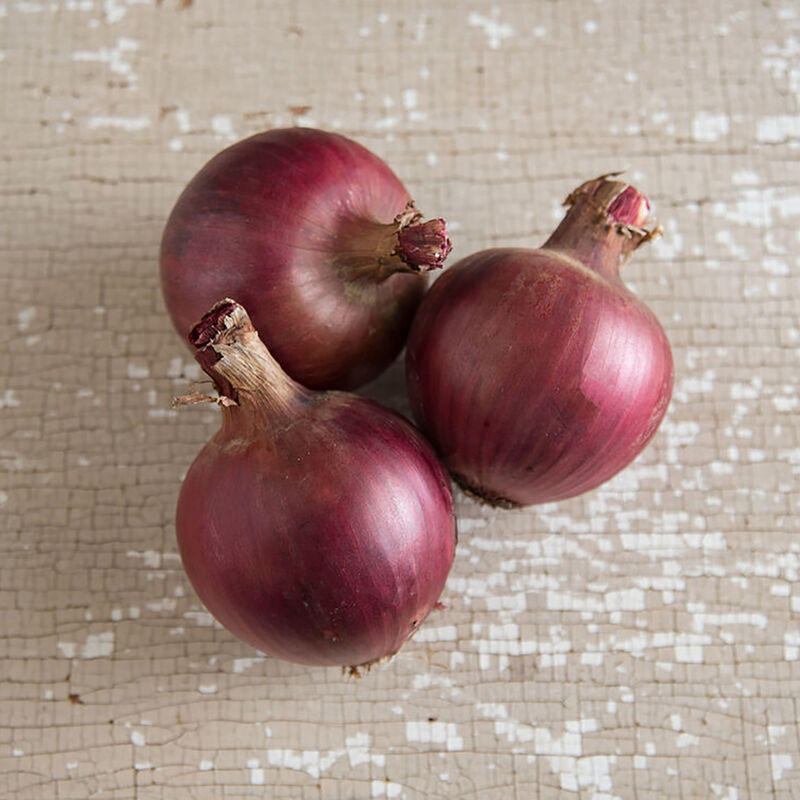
(641, 641)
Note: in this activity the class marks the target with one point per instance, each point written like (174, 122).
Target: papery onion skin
(318, 527)
(317, 238)
(536, 373)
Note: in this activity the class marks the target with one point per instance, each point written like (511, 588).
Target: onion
(537, 374)
(316, 526)
(317, 238)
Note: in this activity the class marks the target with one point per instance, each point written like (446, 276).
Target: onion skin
(318, 527)
(536, 373)
(317, 238)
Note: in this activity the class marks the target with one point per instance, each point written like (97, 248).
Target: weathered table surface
(641, 641)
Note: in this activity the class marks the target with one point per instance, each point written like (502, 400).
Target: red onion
(317, 238)
(537, 373)
(316, 526)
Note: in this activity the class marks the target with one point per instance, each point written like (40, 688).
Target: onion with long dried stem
(537, 373)
(316, 526)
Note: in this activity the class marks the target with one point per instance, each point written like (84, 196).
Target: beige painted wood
(642, 641)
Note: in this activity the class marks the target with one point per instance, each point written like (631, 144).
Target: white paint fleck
(25, 317)
(663, 120)
(358, 751)
(67, 649)
(182, 120)
(98, 645)
(257, 775)
(117, 57)
(410, 98)
(780, 762)
(687, 740)
(10, 399)
(312, 762)
(130, 124)
(385, 789)
(114, 11)
(386, 122)
(784, 404)
(427, 732)
(670, 245)
(781, 61)
(202, 619)
(138, 371)
(444, 633)
(622, 600)
(175, 368)
(205, 765)
(775, 266)
(592, 773)
(775, 732)
(150, 558)
(138, 739)
(758, 207)
(590, 26)
(209, 688)
(744, 177)
(495, 31)
(175, 144)
(689, 653)
(725, 237)
(709, 127)
(243, 664)
(467, 525)
(778, 129)
(791, 645)
(585, 725)
(222, 126)
(164, 604)
(701, 619)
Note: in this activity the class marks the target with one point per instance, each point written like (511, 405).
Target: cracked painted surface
(640, 641)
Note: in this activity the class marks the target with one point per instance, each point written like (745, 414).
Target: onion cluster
(316, 525)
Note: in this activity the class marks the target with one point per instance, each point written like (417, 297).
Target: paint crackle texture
(640, 641)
